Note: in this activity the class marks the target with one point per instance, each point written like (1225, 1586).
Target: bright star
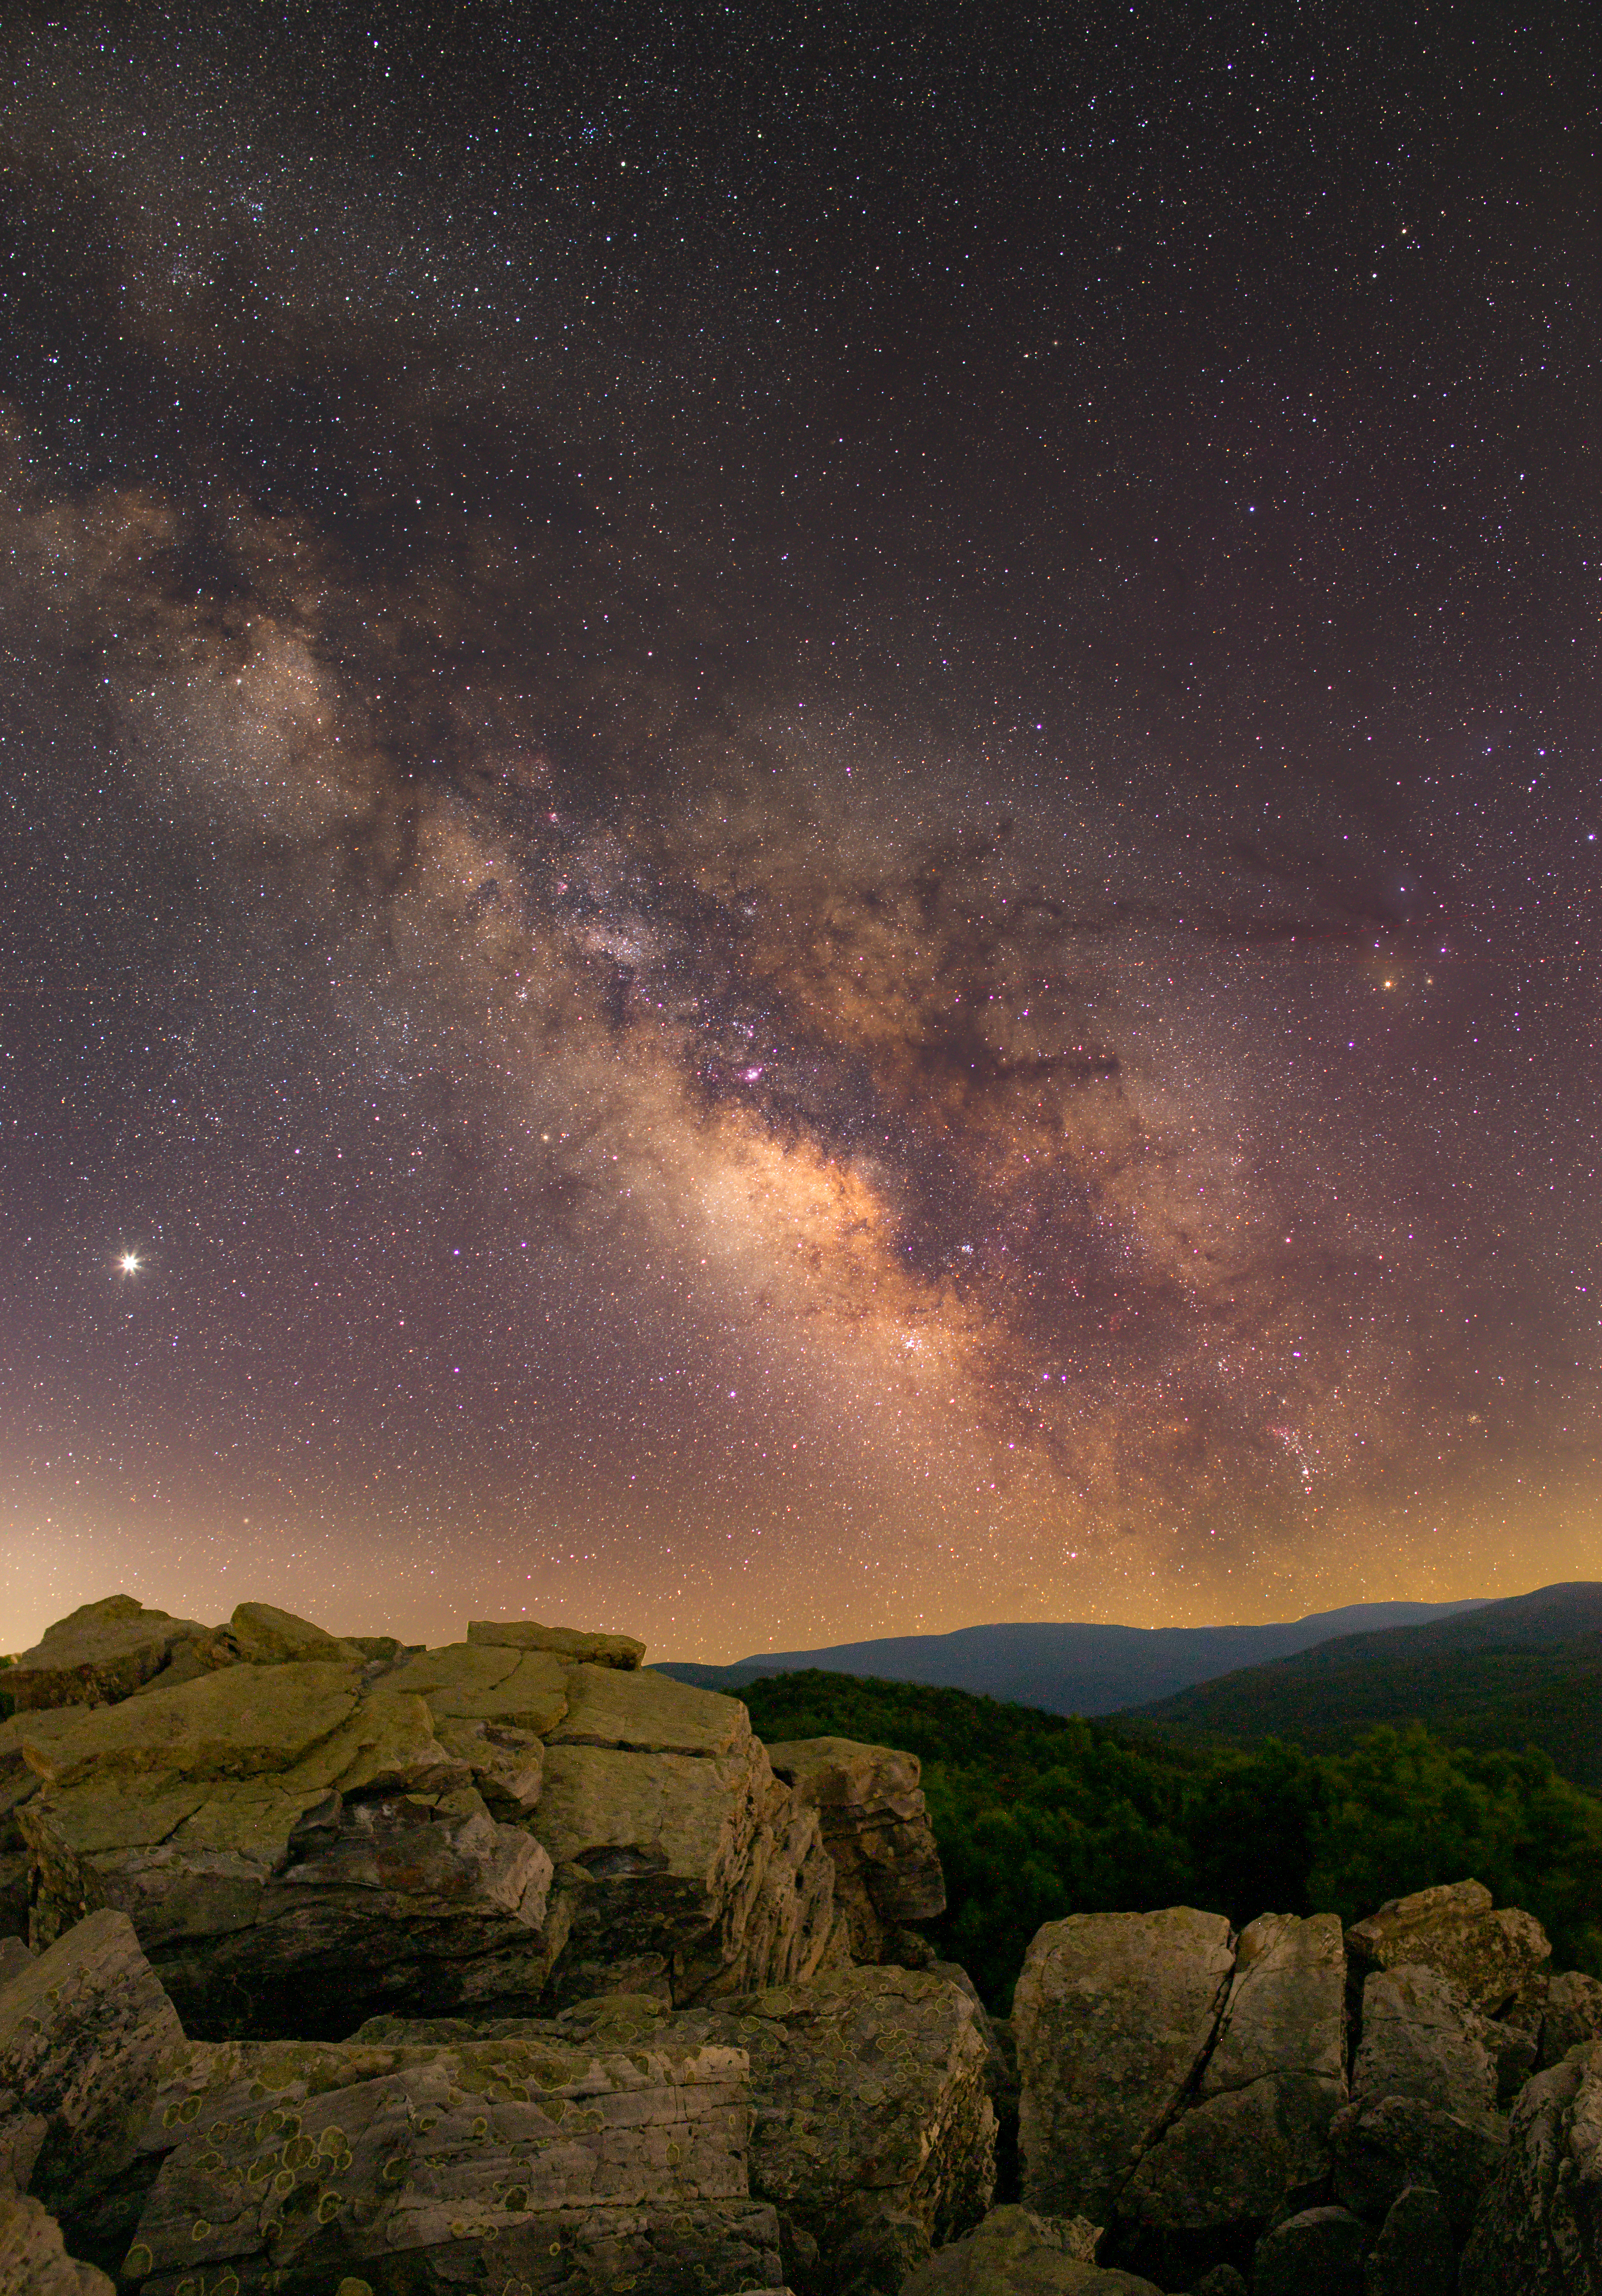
(129, 1262)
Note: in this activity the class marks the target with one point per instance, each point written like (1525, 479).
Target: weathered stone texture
(1017, 2253)
(1113, 2015)
(100, 1654)
(1539, 2230)
(87, 2036)
(1256, 2139)
(1422, 2036)
(1573, 2015)
(679, 1873)
(876, 1828)
(293, 2165)
(569, 1644)
(868, 2091)
(33, 2261)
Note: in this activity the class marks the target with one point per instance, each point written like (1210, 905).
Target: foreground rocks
(871, 2131)
(1113, 2014)
(305, 1829)
(87, 2038)
(876, 1828)
(1539, 2230)
(33, 2258)
(1295, 2109)
(1015, 2252)
(355, 1969)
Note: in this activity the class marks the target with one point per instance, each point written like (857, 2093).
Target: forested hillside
(1038, 1817)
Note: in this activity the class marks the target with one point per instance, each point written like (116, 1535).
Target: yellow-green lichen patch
(137, 2261)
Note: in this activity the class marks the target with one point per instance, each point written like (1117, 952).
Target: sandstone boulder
(1498, 1959)
(263, 1636)
(87, 2036)
(1414, 2254)
(1539, 2230)
(876, 1828)
(1382, 2146)
(33, 2261)
(1318, 2253)
(565, 1643)
(294, 1848)
(1572, 2017)
(531, 2159)
(100, 1654)
(1113, 2014)
(680, 1872)
(1015, 2252)
(1423, 2038)
(301, 1841)
(874, 2134)
(1256, 2140)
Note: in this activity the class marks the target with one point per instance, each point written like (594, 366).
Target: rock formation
(353, 1969)
(876, 1828)
(307, 1831)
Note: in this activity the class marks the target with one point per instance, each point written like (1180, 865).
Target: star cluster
(801, 817)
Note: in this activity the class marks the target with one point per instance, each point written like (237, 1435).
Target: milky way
(801, 824)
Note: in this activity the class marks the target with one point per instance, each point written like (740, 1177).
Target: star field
(801, 815)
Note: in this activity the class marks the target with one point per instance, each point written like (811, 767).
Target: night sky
(800, 814)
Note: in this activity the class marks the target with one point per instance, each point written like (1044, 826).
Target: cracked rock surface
(305, 1830)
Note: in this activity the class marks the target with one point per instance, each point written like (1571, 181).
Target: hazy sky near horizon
(800, 814)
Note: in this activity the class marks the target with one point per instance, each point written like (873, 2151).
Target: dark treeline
(1038, 1817)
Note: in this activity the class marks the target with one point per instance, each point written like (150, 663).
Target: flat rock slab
(1113, 2014)
(86, 2035)
(1539, 2230)
(99, 1655)
(242, 1722)
(648, 1713)
(524, 1688)
(33, 2260)
(569, 1644)
(425, 2167)
(871, 2132)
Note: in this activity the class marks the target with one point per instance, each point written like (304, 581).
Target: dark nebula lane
(801, 822)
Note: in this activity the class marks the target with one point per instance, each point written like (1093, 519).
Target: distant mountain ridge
(1525, 1671)
(1075, 1669)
